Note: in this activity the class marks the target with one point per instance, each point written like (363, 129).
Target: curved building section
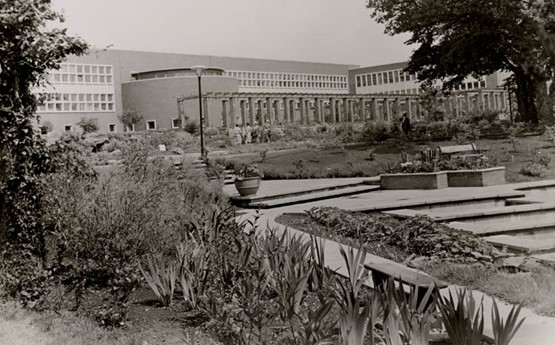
(167, 98)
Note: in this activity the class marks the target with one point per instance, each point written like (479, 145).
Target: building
(159, 86)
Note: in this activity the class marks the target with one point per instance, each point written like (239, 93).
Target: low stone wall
(435, 180)
(476, 178)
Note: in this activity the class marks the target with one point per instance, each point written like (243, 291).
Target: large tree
(30, 45)
(459, 38)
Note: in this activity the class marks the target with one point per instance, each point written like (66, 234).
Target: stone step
(521, 244)
(530, 210)
(506, 228)
(314, 196)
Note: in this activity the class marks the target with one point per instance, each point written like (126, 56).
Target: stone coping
(488, 212)
(522, 244)
(488, 228)
(475, 170)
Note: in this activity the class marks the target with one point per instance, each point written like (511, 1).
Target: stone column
(275, 102)
(333, 110)
(205, 113)
(467, 105)
(243, 112)
(260, 118)
(268, 116)
(351, 110)
(387, 112)
(318, 110)
(409, 108)
(397, 111)
(286, 109)
(292, 111)
(343, 117)
(361, 110)
(480, 100)
(224, 114)
(302, 109)
(376, 109)
(232, 112)
(251, 111)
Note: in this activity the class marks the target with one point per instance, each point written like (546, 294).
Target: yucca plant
(409, 314)
(161, 277)
(193, 270)
(503, 332)
(463, 321)
(356, 316)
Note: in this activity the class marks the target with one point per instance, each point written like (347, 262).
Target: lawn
(357, 160)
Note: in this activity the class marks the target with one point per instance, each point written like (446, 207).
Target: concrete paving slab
(522, 244)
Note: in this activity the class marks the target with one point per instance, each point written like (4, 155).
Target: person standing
(406, 125)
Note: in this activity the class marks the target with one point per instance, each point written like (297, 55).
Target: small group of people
(246, 134)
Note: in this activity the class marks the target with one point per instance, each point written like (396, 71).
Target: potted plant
(247, 179)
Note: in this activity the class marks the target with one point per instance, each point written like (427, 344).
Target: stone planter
(247, 185)
(434, 180)
(476, 178)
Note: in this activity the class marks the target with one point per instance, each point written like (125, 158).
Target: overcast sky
(337, 31)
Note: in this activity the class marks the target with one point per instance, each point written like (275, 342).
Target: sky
(333, 31)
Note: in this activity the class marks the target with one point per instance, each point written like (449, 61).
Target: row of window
(387, 77)
(77, 102)
(82, 74)
(289, 80)
(471, 85)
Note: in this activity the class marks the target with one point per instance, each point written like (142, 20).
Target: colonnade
(308, 109)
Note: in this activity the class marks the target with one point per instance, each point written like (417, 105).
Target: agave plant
(463, 320)
(356, 316)
(503, 332)
(193, 270)
(161, 277)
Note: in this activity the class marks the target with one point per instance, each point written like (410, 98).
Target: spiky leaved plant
(193, 270)
(463, 320)
(503, 332)
(161, 277)
(356, 316)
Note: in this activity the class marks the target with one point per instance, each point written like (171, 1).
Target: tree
(30, 46)
(459, 38)
(130, 118)
(88, 125)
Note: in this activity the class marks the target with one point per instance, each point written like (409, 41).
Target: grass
(291, 160)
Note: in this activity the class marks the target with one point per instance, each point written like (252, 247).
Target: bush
(376, 131)
(191, 126)
(211, 132)
(532, 169)
(89, 125)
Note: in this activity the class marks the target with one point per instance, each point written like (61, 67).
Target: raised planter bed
(476, 178)
(433, 180)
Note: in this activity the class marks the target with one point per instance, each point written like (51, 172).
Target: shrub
(376, 131)
(88, 125)
(211, 132)
(532, 169)
(191, 126)
(46, 127)
(130, 118)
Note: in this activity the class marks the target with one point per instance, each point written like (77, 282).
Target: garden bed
(433, 180)
(476, 178)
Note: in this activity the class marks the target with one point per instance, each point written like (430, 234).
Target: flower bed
(476, 178)
(431, 180)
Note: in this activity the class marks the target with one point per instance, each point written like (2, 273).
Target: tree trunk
(525, 98)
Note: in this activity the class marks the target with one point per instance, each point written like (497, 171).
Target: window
(364, 80)
(67, 128)
(358, 81)
(151, 125)
(390, 74)
(112, 127)
(396, 76)
(374, 79)
(176, 123)
(130, 128)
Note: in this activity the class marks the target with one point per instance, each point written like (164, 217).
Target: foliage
(46, 126)
(211, 132)
(88, 125)
(419, 235)
(375, 131)
(161, 277)
(130, 117)
(474, 37)
(503, 332)
(463, 321)
(541, 159)
(31, 46)
(192, 126)
(532, 169)
(247, 170)
(467, 135)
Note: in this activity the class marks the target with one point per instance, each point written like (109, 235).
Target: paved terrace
(536, 330)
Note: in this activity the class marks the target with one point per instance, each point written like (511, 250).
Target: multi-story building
(162, 88)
